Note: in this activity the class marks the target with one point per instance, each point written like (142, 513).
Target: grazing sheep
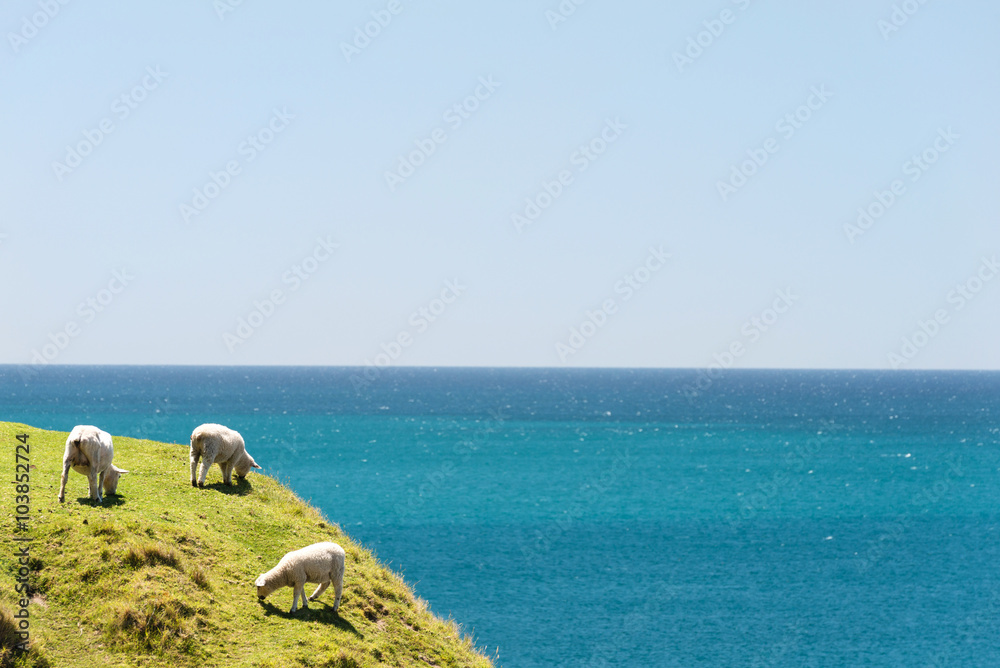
(89, 451)
(215, 444)
(321, 562)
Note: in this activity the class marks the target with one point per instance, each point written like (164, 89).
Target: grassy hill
(163, 574)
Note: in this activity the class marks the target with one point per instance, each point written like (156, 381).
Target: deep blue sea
(624, 517)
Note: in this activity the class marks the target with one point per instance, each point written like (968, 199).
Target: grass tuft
(150, 554)
(106, 529)
(199, 578)
(156, 624)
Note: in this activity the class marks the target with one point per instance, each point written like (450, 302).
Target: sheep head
(264, 588)
(111, 479)
(244, 465)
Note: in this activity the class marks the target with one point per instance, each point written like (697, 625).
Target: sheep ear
(259, 582)
(257, 466)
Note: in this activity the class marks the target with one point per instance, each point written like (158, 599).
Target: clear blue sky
(183, 85)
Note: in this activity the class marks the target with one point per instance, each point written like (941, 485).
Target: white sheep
(215, 444)
(89, 451)
(321, 562)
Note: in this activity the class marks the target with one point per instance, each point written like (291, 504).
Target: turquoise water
(624, 517)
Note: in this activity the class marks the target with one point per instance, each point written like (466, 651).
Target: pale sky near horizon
(497, 184)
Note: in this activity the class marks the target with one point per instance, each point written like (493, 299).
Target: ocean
(616, 517)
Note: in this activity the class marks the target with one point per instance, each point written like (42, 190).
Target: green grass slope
(162, 575)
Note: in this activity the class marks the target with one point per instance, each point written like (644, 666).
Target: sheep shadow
(109, 501)
(238, 488)
(314, 612)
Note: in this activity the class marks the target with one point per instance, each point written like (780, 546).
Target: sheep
(321, 562)
(215, 444)
(89, 451)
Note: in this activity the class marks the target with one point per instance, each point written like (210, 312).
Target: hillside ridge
(162, 574)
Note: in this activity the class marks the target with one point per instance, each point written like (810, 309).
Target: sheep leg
(95, 491)
(227, 472)
(207, 459)
(62, 484)
(338, 589)
(299, 590)
(302, 595)
(100, 485)
(319, 591)
(194, 469)
(204, 472)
